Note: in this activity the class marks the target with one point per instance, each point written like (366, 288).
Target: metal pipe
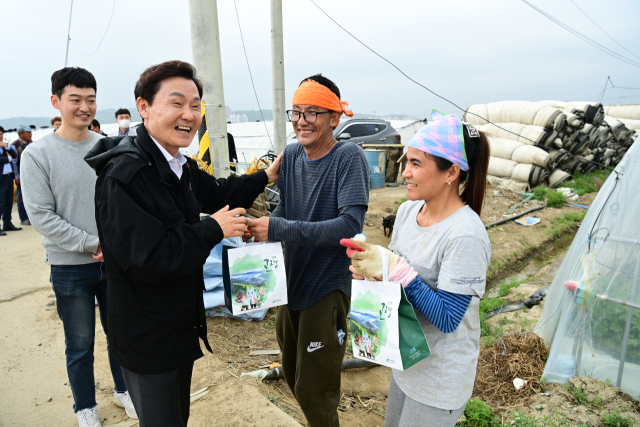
(277, 78)
(66, 55)
(619, 301)
(627, 329)
(511, 218)
(205, 45)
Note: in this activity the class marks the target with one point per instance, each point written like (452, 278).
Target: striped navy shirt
(321, 202)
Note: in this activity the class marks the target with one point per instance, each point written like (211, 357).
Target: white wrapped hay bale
(502, 147)
(532, 155)
(534, 175)
(526, 134)
(501, 167)
(623, 111)
(525, 112)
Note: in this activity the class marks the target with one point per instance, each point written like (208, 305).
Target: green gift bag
(384, 326)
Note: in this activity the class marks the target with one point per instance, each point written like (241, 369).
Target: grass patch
(560, 224)
(399, 202)
(614, 419)
(487, 305)
(588, 183)
(553, 198)
(506, 285)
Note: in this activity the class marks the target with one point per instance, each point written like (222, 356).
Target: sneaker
(123, 400)
(25, 222)
(88, 418)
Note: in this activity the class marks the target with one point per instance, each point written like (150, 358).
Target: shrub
(614, 419)
(479, 414)
(553, 198)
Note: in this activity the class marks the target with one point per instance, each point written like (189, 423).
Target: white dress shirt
(175, 163)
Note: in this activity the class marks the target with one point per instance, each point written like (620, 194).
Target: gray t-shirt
(58, 189)
(452, 255)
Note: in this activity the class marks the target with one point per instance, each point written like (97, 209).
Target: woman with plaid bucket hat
(440, 252)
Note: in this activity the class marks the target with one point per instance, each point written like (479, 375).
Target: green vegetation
(588, 183)
(487, 305)
(579, 396)
(543, 381)
(399, 202)
(478, 414)
(518, 419)
(614, 419)
(505, 286)
(560, 224)
(553, 198)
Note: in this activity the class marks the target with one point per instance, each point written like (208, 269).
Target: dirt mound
(518, 356)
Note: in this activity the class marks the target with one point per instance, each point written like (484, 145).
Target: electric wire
(449, 101)
(602, 29)
(103, 37)
(251, 76)
(583, 37)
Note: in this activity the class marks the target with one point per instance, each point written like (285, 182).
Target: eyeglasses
(309, 116)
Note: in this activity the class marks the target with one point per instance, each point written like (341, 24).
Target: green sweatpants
(312, 355)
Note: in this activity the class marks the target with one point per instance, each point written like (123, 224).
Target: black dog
(387, 224)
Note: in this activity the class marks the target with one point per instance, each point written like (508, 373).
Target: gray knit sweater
(58, 189)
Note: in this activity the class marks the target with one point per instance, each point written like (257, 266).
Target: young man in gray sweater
(58, 189)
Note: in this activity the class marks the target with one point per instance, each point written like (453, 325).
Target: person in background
(324, 195)
(58, 189)
(56, 122)
(123, 118)
(233, 155)
(95, 127)
(440, 254)
(23, 141)
(7, 155)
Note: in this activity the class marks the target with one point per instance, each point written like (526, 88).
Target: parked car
(367, 131)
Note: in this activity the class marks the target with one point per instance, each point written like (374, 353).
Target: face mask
(124, 124)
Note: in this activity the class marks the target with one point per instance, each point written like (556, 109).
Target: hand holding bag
(384, 327)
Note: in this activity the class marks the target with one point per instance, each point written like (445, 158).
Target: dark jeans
(6, 196)
(161, 399)
(21, 210)
(76, 287)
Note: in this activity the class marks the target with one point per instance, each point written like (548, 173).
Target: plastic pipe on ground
(511, 218)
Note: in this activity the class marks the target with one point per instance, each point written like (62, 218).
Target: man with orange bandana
(324, 195)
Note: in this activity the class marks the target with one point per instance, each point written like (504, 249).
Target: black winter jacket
(154, 247)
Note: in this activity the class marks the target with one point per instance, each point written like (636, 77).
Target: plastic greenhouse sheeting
(594, 329)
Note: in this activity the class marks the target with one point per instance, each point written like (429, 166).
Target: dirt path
(34, 382)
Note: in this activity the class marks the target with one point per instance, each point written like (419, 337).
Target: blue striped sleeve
(321, 233)
(444, 309)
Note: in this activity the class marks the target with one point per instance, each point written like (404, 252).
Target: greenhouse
(591, 318)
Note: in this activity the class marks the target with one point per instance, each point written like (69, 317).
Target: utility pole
(205, 45)
(277, 78)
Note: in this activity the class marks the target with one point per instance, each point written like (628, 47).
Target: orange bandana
(313, 93)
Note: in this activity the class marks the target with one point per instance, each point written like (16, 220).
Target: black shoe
(2, 233)
(25, 222)
(11, 227)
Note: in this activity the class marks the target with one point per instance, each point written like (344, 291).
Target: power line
(594, 23)
(103, 37)
(442, 97)
(251, 76)
(583, 37)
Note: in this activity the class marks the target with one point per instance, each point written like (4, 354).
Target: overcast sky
(468, 51)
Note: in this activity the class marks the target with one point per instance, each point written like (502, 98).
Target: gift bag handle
(385, 264)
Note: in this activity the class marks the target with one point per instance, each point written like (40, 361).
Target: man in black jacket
(148, 203)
